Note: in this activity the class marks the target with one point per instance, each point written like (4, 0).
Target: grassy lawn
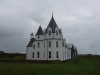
(86, 65)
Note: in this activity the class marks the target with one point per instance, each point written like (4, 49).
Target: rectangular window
(38, 37)
(33, 55)
(49, 32)
(57, 54)
(38, 45)
(44, 54)
(38, 54)
(56, 43)
(56, 32)
(49, 54)
(44, 44)
(63, 44)
(49, 43)
(33, 46)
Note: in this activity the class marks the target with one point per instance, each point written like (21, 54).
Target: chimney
(31, 36)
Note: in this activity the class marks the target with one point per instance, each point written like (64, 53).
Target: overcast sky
(78, 19)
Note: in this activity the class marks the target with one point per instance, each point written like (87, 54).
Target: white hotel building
(49, 44)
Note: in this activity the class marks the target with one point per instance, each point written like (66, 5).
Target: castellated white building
(49, 44)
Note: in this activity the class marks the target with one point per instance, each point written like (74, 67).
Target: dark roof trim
(31, 42)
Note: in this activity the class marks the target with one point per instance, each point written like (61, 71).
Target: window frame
(49, 32)
(49, 44)
(49, 54)
(57, 33)
(44, 44)
(33, 54)
(38, 37)
(57, 44)
(57, 54)
(34, 46)
(44, 54)
(38, 44)
(38, 54)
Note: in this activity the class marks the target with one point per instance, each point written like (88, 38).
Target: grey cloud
(78, 19)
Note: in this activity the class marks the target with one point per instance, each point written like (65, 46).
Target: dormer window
(56, 32)
(49, 32)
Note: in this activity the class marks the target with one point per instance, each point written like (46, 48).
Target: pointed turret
(40, 31)
(52, 24)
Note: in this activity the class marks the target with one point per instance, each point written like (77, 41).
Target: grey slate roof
(31, 42)
(40, 31)
(52, 24)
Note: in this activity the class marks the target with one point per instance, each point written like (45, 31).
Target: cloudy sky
(78, 19)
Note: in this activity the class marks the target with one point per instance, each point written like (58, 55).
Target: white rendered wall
(64, 53)
(41, 37)
(54, 49)
(40, 49)
(29, 53)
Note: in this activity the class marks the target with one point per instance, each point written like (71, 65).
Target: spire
(40, 31)
(52, 24)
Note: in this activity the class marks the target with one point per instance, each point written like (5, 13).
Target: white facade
(48, 44)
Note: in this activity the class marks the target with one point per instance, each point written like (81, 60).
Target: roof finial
(52, 13)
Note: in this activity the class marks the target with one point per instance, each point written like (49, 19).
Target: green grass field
(86, 65)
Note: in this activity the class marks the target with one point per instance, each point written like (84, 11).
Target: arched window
(56, 32)
(49, 32)
(49, 43)
(56, 43)
(38, 45)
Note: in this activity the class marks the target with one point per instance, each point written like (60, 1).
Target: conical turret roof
(40, 31)
(52, 24)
